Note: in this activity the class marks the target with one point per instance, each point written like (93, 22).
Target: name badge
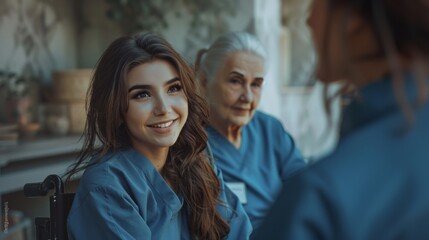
(239, 189)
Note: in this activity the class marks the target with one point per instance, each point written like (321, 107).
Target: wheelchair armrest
(42, 188)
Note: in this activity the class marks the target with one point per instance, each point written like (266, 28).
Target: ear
(202, 78)
(356, 25)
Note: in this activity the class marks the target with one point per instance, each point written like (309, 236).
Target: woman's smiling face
(158, 107)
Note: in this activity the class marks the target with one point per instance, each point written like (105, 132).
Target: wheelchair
(53, 227)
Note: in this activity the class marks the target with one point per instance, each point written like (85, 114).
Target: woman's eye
(235, 81)
(141, 95)
(256, 84)
(175, 88)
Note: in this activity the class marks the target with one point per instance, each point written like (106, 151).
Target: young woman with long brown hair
(149, 177)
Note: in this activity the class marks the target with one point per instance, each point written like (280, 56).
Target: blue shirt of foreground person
(253, 149)
(374, 186)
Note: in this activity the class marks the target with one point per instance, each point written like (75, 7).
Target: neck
(157, 156)
(370, 71)
(367, 72)
(229, 131)
(369, 62)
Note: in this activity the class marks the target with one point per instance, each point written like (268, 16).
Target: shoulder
(100, 197)
(314, 190)
(119, 171)
(111, 179)
(104, 172)
(264, 117)
(304, 205)
(269, 128)
(265, 120)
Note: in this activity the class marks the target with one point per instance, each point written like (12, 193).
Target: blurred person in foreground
(374, 185)
(252, 148)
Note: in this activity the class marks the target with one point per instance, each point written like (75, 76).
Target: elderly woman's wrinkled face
(235, 92)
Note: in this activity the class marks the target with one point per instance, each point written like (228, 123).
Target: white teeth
(162, 125)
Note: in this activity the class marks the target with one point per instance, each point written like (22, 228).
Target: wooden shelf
(39, 148)
(33, 160)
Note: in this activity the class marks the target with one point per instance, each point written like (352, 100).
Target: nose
(161, 107)
(247, 94)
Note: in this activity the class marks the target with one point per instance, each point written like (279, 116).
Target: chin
(241, 122)
(330, 76)
(166, 142)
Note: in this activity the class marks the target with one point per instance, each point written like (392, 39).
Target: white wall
(303, 114)
(37, 34)
(302, 100)
(97, 31)
(267, 28)
(79, 32)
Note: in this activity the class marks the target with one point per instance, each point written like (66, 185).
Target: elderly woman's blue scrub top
(125, 197)
(267, 157)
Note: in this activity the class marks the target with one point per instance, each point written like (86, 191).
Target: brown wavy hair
(187, 166)
(401, 29)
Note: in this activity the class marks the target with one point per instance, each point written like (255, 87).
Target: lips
(242, 109)
(162, 124)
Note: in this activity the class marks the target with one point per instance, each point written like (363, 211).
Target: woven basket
(70, 88)
(71, 85)
(77, 117)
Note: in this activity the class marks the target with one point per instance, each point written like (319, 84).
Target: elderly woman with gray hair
(252, 148)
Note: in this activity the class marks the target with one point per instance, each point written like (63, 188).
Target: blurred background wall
(38, 37)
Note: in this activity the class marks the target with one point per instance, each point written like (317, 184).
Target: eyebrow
(242, 75)
(145, 86)
(237, 73)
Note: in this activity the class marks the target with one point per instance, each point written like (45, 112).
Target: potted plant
(17, 103)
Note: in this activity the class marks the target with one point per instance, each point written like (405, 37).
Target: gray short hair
(208, 61)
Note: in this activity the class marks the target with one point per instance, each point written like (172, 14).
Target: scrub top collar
(159, 185)
(225, 142)
(373, 102)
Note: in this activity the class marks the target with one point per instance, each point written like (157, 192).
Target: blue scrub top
(125, 197)
(266, 158)
(373, 186)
